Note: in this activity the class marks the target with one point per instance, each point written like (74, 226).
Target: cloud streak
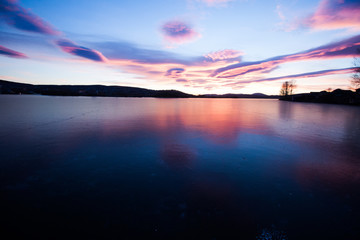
(18, 17)
(174, 72)
(212, 3)
(212, 70)
(125, 50)
(227, 54)
(11, 53)
(22, 19)
(299, 76)
(74, 49)
(221, 68)
(340, 49)
(335, 14)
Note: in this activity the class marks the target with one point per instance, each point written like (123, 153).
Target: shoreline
(14, 88)
(338, 96)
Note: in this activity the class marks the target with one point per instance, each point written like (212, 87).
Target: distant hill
(7, 87)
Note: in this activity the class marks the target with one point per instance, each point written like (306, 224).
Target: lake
(140, 168)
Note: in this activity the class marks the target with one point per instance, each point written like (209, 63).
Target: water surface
(126, 168)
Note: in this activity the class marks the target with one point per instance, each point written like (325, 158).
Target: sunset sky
(195, 46)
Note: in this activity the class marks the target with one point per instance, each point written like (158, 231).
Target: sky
(195, 46)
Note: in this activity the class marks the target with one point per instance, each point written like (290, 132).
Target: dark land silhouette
(7, 87)
(337, 96)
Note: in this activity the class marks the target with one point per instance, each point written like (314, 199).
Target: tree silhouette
(287, 88)
(356, 76)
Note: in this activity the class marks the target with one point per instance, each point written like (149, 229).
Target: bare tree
(355, 81)
(287, 88)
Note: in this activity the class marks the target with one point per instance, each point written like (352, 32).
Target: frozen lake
(125, 168)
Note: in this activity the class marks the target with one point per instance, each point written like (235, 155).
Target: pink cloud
(174, 72)
(11, 53)
(280, 12)
(340, 49)
(178, 32)
(299, 76)
(221, 69)
(18, 17)
(204, 73)
(224, 55)
(335, 14)
(74, 49)
(215, 2)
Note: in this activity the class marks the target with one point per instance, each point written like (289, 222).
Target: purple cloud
(174, 72)
(11, 53)
(20, 18)
(340, 49)
(181, 80)
(335, 14)
(218, 68)
(302, 75)
(33, 41)
(72, 48)
(178, 32)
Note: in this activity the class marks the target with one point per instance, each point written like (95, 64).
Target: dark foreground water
(126, 168)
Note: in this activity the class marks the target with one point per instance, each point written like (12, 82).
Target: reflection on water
(177, 156)
(178, 168)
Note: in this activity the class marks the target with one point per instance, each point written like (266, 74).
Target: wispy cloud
(74, 49)
(298, 76)
(178, 32)
(212, 70)
(181, 80)
(280, 12)
(335, 14)
(212, 3)
(227, 54)
(310, 74)
(340, 49)
(22, 19)
(174, 72)
(130, 51)
(11, 53)
(222, 68)
(18, 17)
